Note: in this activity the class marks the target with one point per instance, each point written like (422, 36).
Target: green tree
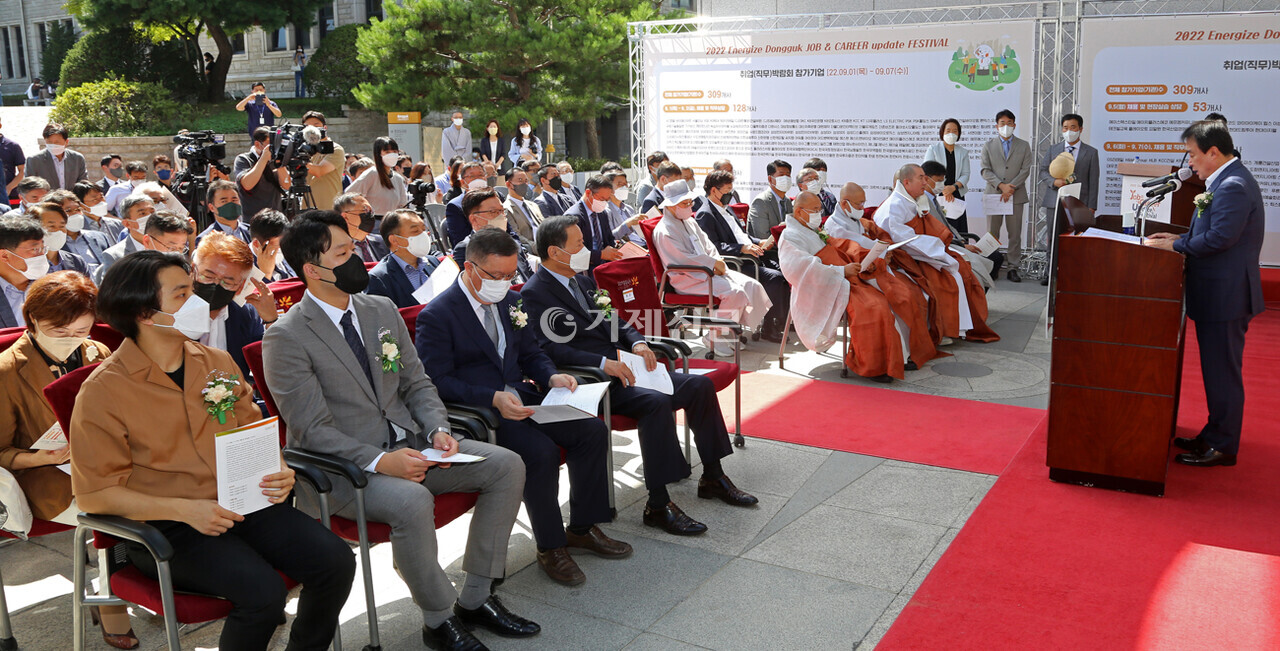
(187, 19)
(115, 107)
(502, 59)
(128, 53)
(58, 41)
(334, 69)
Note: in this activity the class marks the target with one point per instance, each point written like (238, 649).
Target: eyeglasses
(161, 246)
(483, 213)
(510, 276)
(209, 279)
(31, 254)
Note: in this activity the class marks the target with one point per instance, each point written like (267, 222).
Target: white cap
(676, 192)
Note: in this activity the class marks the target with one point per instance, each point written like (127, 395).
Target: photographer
(325, 170)
(261, 183)
(262, 111)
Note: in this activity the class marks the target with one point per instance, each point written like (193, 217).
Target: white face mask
(492, 291)
(783, 183)
(457, 122)
(56, 150)
(822, 176)
(950, 138)
(136, 182)
(622, 193)
(419, 245)
(59, 348)
(75, 223)
(37, 266)
(100, 210)
(580, 261)
(477, 184)
(55, 240)
(937, 187)
(142, 225)
(598, 206)
(815, 186)
(1006, 131)
(192, 319)
(524, 131)
(813, 219)
(1070, 136)
(682, 213)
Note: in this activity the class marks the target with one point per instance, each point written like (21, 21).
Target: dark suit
(522, 263)
(654, 199)
(589, 222)
(377, 248)
(71, 262)
(458, 227)
(389, 279)
(551, 204)
(592, 342)
(1224, 291)
(244, 327)
(241, 232)
(766, 265)
(466, 367)
(1086, 173)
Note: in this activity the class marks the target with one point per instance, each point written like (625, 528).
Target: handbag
(296, 68)
(15, 513)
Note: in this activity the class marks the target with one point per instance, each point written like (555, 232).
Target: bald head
(854, 194)
(912, 178)
(810, 206)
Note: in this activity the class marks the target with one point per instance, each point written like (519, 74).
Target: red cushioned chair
(447, 509)
(287, 292)
(127, 584)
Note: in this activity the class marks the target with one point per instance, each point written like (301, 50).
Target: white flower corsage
(518, 317)
(220, 395)
(822, 233)
(90, 353)
(1202, 202)
(388, 351)
(603, 302)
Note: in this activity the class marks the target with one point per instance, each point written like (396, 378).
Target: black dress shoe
(495, 617)
(1195, 444)
(1207, 457)
(911, 366)
(772, 335)
(1044, 282)
(671, 519)
(1014, 276)
(453, 636)
(726, 491)
(882, 379)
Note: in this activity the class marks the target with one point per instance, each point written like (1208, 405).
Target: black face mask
(214, 294)
(556, 184)
(351, 276)
(366, 222)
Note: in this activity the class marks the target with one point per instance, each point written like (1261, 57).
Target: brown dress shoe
(599, 544)
(560, 566)
(726, 491)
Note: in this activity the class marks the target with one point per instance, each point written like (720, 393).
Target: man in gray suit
(1086, 171)
(522, 212)
(770, 207)
(61, 167)
(1006, 164)
(345, 376)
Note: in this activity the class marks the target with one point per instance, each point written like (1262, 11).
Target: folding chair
(435, 223)
(122, 583)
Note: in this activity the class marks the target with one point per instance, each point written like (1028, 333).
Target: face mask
(389, 159)
(682, 213)
(950, 138)
(937, 187)
(580, 261)
(419, 245)
(36, 266)
(230, 211)
(457, 122)
(100, 210)
(783, 183)
(164, 175)
(55, 240)
(192, 319)
(116, 172)
(136, 182)
(59, 348)
(75, 223)
(493, 131)
(142, 225)
(56, 150)
(350, 277)
(813, 220)
(477, 184)
(622, 193)
(822, 176)
(815, 186)
(598, 206)
(214, 294)
(557, 184)
(499, 222)
(492, 291)
(524, 131)
(1006, 131)
(366, 223)
(1071, 136)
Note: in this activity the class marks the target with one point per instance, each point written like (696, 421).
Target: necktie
(599, 230)
(491, 327)
(357, 345)
(365, 253)
(1071, 150)
(577, 293)
(1004, 144)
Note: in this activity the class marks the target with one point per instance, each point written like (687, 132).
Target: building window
(8, 54)
(278, 40)
(372, 9)
(237, 44)
(22, 53)
(44, 34)
(301, 37)
(324, 21)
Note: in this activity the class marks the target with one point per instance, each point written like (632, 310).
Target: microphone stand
(1147, 204)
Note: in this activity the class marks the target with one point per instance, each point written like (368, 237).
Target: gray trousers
(410, 510)
(1014, 226)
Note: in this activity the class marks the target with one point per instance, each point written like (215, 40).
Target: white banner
(865, 100)
(1144, 80)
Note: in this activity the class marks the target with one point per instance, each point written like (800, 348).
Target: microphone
(312, 135)
(1182, 174)
(1172, 186)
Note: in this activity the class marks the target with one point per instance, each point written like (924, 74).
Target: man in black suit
(667, 172)
(481, 215)
(1224, 284)
(112, 172)
(559, 288)
(552, 201)
(410, 263)
(265, 231)
(358, 214)
(592, 214)
(477, 349)
(755, 255)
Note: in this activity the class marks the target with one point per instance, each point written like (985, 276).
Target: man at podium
(1224, 286)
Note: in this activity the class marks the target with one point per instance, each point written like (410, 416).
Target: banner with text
(1143, 80)
(865, 100)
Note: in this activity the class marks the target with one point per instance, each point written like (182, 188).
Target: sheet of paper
(879, 249)
(653, 212)
(66, 467)
(52, 439)
(249, 288)
(1108, 235)
(699, 371)
(433, 454)
(630, 250)
(1069, 190)
(952, 209)
(988, 244)
(992, 205)
(657, 380)
(437, 282)
(560, 404)
(244, 456)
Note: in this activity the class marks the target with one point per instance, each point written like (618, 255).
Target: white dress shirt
(217, 335)
(1208, 183)
(732, 220)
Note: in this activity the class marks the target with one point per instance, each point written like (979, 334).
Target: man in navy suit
(582, 338)
(455, 223)
(410, 263)
(358, 214)
(485, 211)
(755, 255)
(223, 203)
(265, 230)
(667, 172)
(477, 347)
(592, 214)
(551, 201)
(1224, 285)
(221, 266)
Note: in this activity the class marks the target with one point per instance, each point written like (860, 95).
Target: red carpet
(979, 437)
(1271, 286)
(1051, 566)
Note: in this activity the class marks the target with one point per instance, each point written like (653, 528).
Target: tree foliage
(115, 107)
(334, 69)
(59, 39)
(130, 54)
(501, 59)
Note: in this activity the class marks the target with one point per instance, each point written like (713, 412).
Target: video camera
(293, 145)
(420, 190)
(201, 149)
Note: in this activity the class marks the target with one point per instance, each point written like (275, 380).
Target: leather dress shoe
(883, 378)
(1014, 276)
(726, 491)
(911, 366)
(672, 520)
(453, 636)
(1195, 444)
(126, 640)
(1044, 282)
(772, 335)
(560, 566)
(1207, 457)
(495, 617)
(596, 542)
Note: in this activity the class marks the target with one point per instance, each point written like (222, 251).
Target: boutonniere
(90, 352)
(388, 351)
(1202, 202)
(822, 233)
(220, 395)
(518, 317)
(603, 303)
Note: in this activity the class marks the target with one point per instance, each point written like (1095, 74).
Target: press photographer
(293, 147)
(325, 169)
(262, 183)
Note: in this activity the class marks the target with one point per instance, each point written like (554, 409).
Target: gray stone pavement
(827, 560)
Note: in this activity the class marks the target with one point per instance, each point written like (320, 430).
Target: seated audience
(648, 181)
(845, 221)
(31, 191)
(223, 204)
(240, 307)
(820, 188)
(522, 213)
(148, 229)
(95, 211)
(54, 222)
(470, 178)
(552, 199)
(484, 210)
(356, 211)
(622, 217)
(772, 205)
(86, 243)
(265, 230)
(983, 267)
(594, 219)
(725, 165)
(22, 260)
(410, 262)
(665, 173)
(566, 172)
(135, 172)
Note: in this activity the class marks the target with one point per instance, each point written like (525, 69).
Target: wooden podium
(1117, 364)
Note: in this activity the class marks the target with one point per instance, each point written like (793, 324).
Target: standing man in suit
(478, 350)
(484, 212)
(666, 172)
(358, 214)
(1086, 173)
(223, 202)
(560, 285)
(769, 207)
(1006, 164)
(326, 364)
(522, 213)
(221, 266)
(61, 167)
(410, 262)
(1224, 284)
(552, 200)
(593, 218)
